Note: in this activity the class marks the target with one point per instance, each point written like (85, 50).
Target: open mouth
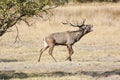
(91, 30)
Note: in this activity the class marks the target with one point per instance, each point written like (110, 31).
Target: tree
(12, 11)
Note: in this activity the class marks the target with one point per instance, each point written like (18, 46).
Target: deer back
(59, 38)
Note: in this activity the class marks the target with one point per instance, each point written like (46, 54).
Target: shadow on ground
(13, 74)
(9, 60)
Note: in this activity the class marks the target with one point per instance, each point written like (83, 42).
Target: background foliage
(95, 0)
(11, 11)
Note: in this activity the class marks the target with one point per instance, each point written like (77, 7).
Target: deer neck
(79, 34)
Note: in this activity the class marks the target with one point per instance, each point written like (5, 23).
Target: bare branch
(28, 24)
(17, 38)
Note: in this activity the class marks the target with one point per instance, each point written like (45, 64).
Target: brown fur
(67, 38)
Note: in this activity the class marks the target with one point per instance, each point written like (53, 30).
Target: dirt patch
(21, 75)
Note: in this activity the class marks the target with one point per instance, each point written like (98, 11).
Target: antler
(74, 23)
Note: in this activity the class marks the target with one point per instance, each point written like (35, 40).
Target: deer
(67, 38)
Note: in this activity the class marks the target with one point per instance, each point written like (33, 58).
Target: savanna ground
(96, 57)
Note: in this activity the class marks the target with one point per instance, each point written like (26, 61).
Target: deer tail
(45, 43)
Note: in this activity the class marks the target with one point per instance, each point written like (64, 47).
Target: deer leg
(41, 51)
(50, 52)
(70, 51)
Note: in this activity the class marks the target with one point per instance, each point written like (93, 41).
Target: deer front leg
(70, 51)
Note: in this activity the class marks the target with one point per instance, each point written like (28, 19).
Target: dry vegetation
(96, 57)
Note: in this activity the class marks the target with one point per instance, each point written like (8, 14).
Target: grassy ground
(96, 57)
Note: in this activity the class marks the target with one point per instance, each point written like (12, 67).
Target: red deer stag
(67, 38)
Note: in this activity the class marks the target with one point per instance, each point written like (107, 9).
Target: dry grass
(97, 51)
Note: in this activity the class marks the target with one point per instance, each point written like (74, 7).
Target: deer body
(67, 38)
(64, 38)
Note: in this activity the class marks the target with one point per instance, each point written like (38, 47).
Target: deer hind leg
(42, 50)
(70, 51)
(50, 52)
